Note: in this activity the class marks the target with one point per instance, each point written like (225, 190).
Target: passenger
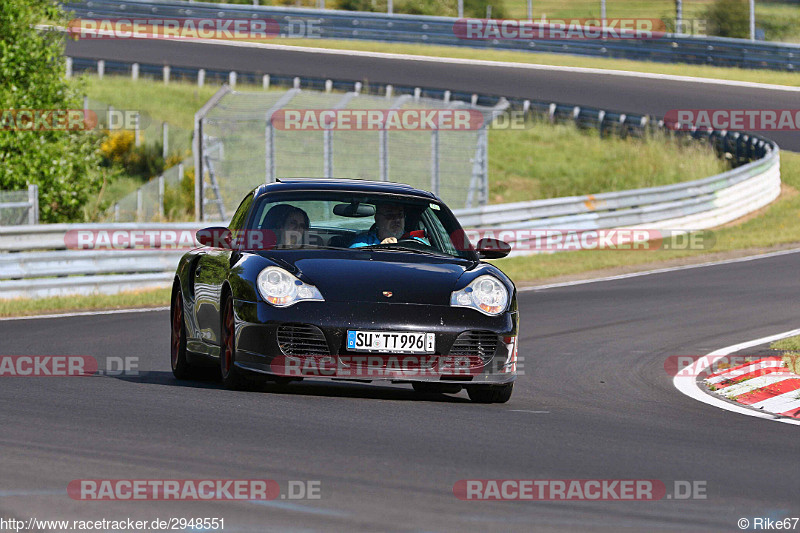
(289, 223)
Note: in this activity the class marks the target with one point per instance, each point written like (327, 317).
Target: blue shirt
(370, 238)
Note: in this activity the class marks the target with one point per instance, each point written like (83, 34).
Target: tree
(65, 164)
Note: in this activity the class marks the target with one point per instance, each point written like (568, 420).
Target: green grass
(791, 353)
(62, 304)
(175, 103)
(679, 69)
(790, 344)
(551, 161)
(778, 224)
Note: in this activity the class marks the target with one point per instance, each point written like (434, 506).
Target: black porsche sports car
(346, 280)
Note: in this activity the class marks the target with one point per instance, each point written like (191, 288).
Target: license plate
(390, 341)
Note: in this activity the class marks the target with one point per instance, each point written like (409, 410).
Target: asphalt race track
(595, 403)
(631, 95)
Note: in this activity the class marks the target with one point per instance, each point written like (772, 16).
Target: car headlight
(485, 293)
(281, 289)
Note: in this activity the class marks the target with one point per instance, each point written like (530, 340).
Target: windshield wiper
(402, 249)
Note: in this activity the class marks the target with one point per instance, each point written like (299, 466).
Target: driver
(390, 224)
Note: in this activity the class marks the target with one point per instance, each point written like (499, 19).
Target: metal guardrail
(672, 48)
(26, 272)
(14, 207)
(693, 205)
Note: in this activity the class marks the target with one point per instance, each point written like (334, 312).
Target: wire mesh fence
(159, 199)
(17, 207)
(247, 139)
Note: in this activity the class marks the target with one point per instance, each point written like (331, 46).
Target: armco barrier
(329, 24)
(693, 205)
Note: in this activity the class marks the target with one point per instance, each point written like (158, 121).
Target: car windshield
(351, 221)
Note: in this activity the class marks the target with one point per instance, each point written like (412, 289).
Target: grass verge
(175, 103)
(791, 352)
(62, 304)
(790, 344)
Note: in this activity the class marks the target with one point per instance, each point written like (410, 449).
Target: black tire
(490, 393)
(435, 388)
(180, 365)
(232, 377)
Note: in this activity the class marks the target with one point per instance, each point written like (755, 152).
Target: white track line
(475, 62)
(659, 271)
(687, 383)
(87, 313)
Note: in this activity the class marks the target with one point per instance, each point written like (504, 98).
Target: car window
(432, 225)
(239, 217)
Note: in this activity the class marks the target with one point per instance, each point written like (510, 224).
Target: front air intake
(302, 339)
(481, 344)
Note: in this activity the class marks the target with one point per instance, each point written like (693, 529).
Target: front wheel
(180, 365)
(231, 376)
(490, 393)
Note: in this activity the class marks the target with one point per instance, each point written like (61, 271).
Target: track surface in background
(595, 403)
(610, 92)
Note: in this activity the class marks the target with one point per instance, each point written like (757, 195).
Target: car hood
(372, 276)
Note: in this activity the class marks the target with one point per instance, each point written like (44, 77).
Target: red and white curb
(764, 387)
(764, 384)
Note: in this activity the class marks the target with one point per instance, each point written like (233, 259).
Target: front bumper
(258, 348)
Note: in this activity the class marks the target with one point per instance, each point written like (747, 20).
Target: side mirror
(492, 248)
(215, 237)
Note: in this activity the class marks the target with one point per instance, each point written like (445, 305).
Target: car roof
(344, 185)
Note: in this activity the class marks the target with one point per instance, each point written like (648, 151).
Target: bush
(728, 18)
(145, 161)
(179, 200)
